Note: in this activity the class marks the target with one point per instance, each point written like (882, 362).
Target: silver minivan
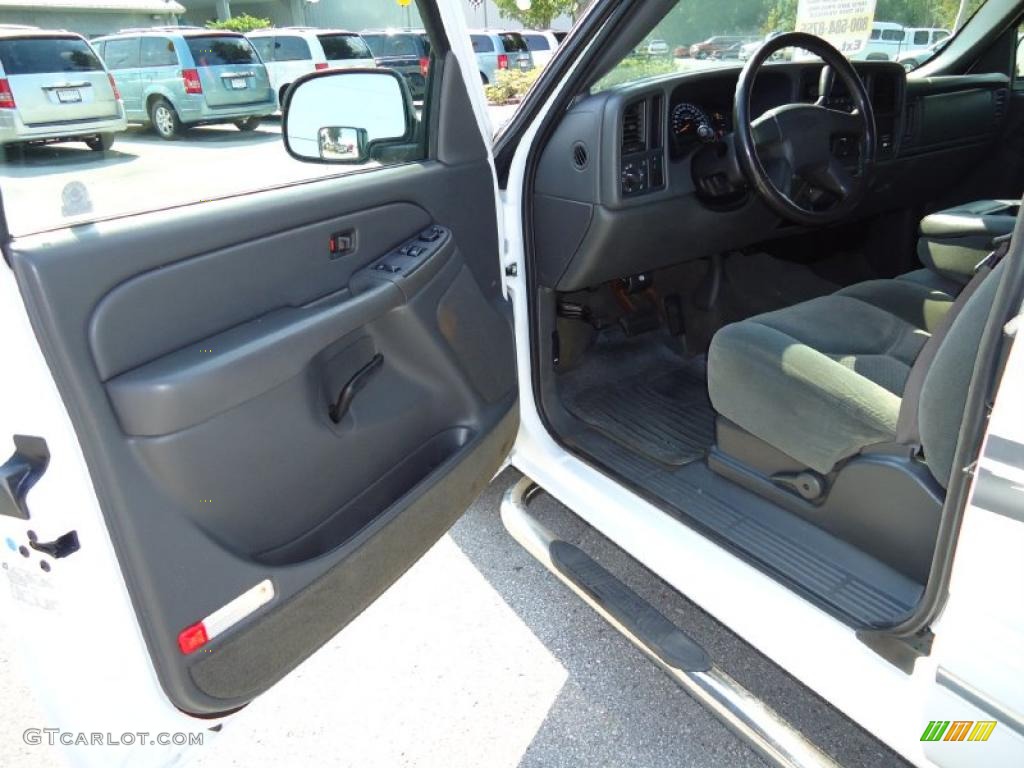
(53, 87)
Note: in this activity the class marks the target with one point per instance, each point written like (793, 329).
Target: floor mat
(664, 415)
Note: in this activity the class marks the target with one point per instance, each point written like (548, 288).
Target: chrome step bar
(763, 729)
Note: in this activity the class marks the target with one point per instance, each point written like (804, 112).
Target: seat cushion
(824, 378)
(914, 298)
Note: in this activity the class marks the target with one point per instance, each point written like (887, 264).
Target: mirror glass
(337, 117)
(343, 145)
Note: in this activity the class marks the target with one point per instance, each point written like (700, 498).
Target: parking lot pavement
(479, 657)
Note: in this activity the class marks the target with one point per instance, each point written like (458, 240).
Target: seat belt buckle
(1001, 248)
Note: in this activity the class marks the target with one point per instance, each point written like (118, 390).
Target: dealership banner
(844, 23)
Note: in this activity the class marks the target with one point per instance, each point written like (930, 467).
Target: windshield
(703, 35)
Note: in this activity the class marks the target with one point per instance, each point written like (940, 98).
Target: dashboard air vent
(656, 122)
(634, 135)
(580, 156)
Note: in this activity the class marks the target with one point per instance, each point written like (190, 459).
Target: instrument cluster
(691, 124)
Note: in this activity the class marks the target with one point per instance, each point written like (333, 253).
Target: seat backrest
(946, 383)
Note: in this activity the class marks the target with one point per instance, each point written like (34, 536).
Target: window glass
(537, 42)
(158, 52)
(221, 50)
(45, 55)
(482, 43)
(1019, 60)
(513, 43)
(122, 53)
(343, 47)
(290, 48)
(264, 47)
(701, 35)
(384, 45)
(221, 129)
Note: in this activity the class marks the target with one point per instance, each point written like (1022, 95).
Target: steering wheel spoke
(832, 177)
(781, 174)
(844, 122)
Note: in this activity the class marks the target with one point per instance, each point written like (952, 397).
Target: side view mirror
(343, 116)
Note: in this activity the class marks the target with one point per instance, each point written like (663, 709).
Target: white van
(542, 45)
(290, 52)
(889, 40)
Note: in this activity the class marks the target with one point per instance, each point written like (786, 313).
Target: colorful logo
(958, 730)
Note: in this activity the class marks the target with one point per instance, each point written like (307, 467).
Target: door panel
(201, 351)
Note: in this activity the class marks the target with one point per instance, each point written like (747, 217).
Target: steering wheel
(787, 154)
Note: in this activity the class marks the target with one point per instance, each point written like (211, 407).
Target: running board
(665, 644)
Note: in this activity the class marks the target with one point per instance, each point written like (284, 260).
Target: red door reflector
(195, 636)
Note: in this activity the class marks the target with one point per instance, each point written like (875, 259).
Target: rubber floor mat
(666, 417)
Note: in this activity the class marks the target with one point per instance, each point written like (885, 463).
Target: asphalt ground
(479, 657)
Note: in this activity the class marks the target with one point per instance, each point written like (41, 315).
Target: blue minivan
(175, 77)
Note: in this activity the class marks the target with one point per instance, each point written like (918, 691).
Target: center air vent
(580, 157)
(634, 135)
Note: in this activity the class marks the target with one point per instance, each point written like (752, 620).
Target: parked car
(542, 45)
(749, 49)
(53, 87)
(496, 51)
(911, 60)
(175, 77)
(404, 50)
(728, 52)
(681, 52)
(921, 39)
(655, 48)
(713, 45)
(291, 52)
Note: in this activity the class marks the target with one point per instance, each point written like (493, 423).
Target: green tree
(781, 17)
(540, 13)
(243, 23)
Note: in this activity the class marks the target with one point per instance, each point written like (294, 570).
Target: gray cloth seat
(823, 379)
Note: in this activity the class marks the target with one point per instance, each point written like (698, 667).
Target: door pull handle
(340, 407)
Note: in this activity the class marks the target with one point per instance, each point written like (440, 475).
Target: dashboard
(620, 186)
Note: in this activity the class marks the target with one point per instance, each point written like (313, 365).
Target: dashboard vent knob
(580, 156)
